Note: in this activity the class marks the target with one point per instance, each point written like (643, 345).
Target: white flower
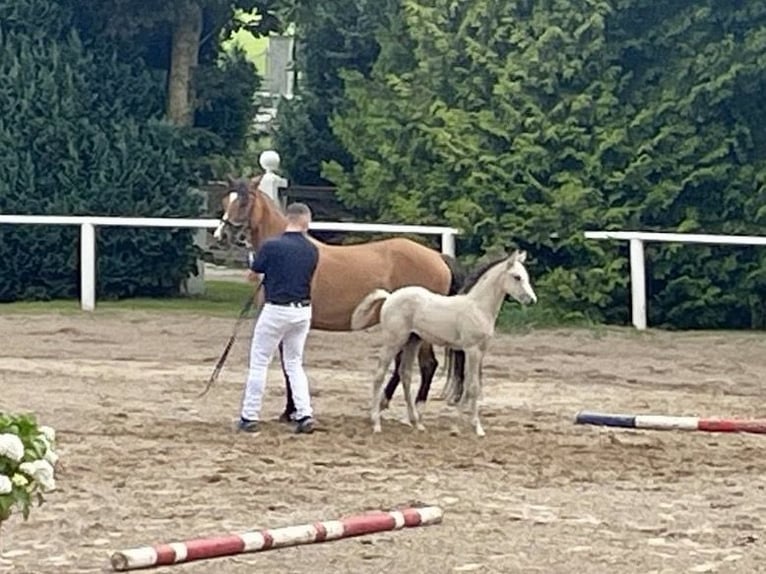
(44, 439)
(19, 480)
(11, 447)
(6, 486)
(49, 433)
(42, 472)
(51, 457)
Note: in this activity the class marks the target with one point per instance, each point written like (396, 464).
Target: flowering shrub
(27, 463)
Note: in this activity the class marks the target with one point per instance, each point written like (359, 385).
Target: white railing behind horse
(637, 272)
(88, 226)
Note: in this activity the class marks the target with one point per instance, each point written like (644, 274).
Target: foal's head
(507, 272)
(516, 279)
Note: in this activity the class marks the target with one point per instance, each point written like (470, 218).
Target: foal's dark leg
(428, 366)
(459, 374)
(289, 404)
(392, 383)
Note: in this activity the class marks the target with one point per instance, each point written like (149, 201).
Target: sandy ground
(144, 460)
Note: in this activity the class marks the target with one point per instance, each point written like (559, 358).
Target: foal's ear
(230, 180)
(516, 257)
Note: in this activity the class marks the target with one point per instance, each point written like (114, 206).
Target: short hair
(297, 210)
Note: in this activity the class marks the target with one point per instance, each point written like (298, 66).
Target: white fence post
(270, 181)
(87, 267)
(638, 283)
(637, 272)
(448, 243)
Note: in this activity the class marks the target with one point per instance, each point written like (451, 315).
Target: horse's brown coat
(347, 273)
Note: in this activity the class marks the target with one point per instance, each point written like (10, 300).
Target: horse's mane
(268, 200)
(242, 187)
(474, 276)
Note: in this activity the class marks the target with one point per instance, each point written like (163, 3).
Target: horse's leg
(449, 358)
(428, 366)
(392, 383)
(456, 391)
(287, 415)
(386, 356)
(408, 358)
(473, 387)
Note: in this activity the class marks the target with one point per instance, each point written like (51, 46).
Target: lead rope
(242, 316)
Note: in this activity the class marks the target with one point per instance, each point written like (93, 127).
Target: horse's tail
(454, 385)
(454, 360)
(363, 315)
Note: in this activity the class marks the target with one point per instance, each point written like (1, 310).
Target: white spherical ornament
(269, 160)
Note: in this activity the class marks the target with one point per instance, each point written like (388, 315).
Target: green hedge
(528, 123)
(80, 134)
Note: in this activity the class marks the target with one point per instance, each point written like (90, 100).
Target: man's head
(298, 216)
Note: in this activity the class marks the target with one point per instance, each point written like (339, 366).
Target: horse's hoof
(420, 427)
(480, 432)
(454, 431)
(376, 428)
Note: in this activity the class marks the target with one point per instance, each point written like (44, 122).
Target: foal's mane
(479, 272)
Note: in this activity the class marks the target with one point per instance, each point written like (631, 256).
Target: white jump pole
(638, 283)
(87, 267)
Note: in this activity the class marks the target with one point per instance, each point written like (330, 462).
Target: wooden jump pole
(258, 541)
(662, 422)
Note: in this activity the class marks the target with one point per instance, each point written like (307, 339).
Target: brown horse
(345, 274)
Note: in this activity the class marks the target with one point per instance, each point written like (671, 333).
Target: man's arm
(260, 261)
(316, 259)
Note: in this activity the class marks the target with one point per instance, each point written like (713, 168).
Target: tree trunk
(187, 29)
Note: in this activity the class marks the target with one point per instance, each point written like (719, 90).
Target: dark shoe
(245, 425)
(287, 417)
(304, 425)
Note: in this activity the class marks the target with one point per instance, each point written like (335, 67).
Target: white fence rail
(637, 268)
(88, 226)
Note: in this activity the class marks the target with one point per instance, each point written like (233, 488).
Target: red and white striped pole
(662, 422)
(258, 541)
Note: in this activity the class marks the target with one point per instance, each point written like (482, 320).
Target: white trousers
(290, 325)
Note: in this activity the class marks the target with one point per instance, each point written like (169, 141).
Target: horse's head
(516, 279)
(240, 211)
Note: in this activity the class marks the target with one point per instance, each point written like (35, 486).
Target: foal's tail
(364, 314)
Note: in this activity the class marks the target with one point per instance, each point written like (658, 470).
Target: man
(288, 263)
